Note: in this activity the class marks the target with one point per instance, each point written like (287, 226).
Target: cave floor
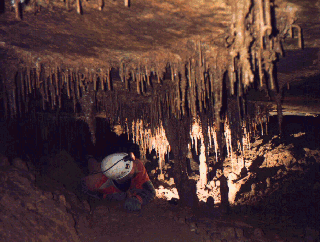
(161, 221)
(110, 222)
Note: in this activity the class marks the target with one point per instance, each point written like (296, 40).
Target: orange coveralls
(139, 186)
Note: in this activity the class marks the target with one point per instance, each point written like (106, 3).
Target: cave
(219, 100)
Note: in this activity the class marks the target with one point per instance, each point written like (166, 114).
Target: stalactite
(243, 40)
(227, 134)
(268, 13)
(102, 79)
(272, 82)
(138, 83)
(121, 71)
(183, 89)
(38, 77)
(73, 90)
(13, 102)
(158, 71)
(142, 79)
(192, 96)
(148, 139)
(148, 74)
(79, 7)
(201, 69)
(218, 93)
(260, 68)
(67, 82)
(50, 94)
(45, 85)
(19, 94)
(87, 103)
(126, 78)
(196, 135)
(232, 70)
(53, 89)
(215, 140)
(56, 79)
(100, 4)
(172, 71)
(161, 69)
(108, 78)
(77, 85)
(23, 88)
(28, 81)
(299, 34)
(177, 97)
(94, 77)
(198, 86)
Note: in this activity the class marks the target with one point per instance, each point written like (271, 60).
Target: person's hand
(132, 204)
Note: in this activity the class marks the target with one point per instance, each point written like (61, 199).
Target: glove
(132, 204)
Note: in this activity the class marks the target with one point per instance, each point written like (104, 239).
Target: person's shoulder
(139, 164)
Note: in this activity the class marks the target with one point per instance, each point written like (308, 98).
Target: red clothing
(139, 186)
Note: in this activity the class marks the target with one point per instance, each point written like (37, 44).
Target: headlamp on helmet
(117, 166)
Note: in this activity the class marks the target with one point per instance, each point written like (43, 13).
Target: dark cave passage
(43, 134)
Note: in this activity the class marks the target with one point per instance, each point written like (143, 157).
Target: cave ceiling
(148, 35)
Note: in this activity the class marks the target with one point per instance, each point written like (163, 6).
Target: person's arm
(141, 186)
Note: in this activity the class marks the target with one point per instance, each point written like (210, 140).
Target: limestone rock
(30, 213)
(228, 233)
(4, 162)
(18, 163)
(63, 169)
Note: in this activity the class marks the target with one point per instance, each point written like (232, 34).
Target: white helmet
(117, 166)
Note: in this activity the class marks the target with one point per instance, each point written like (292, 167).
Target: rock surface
(30, 214)
(267, 203)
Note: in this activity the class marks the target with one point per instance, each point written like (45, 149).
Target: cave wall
(140, 87)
